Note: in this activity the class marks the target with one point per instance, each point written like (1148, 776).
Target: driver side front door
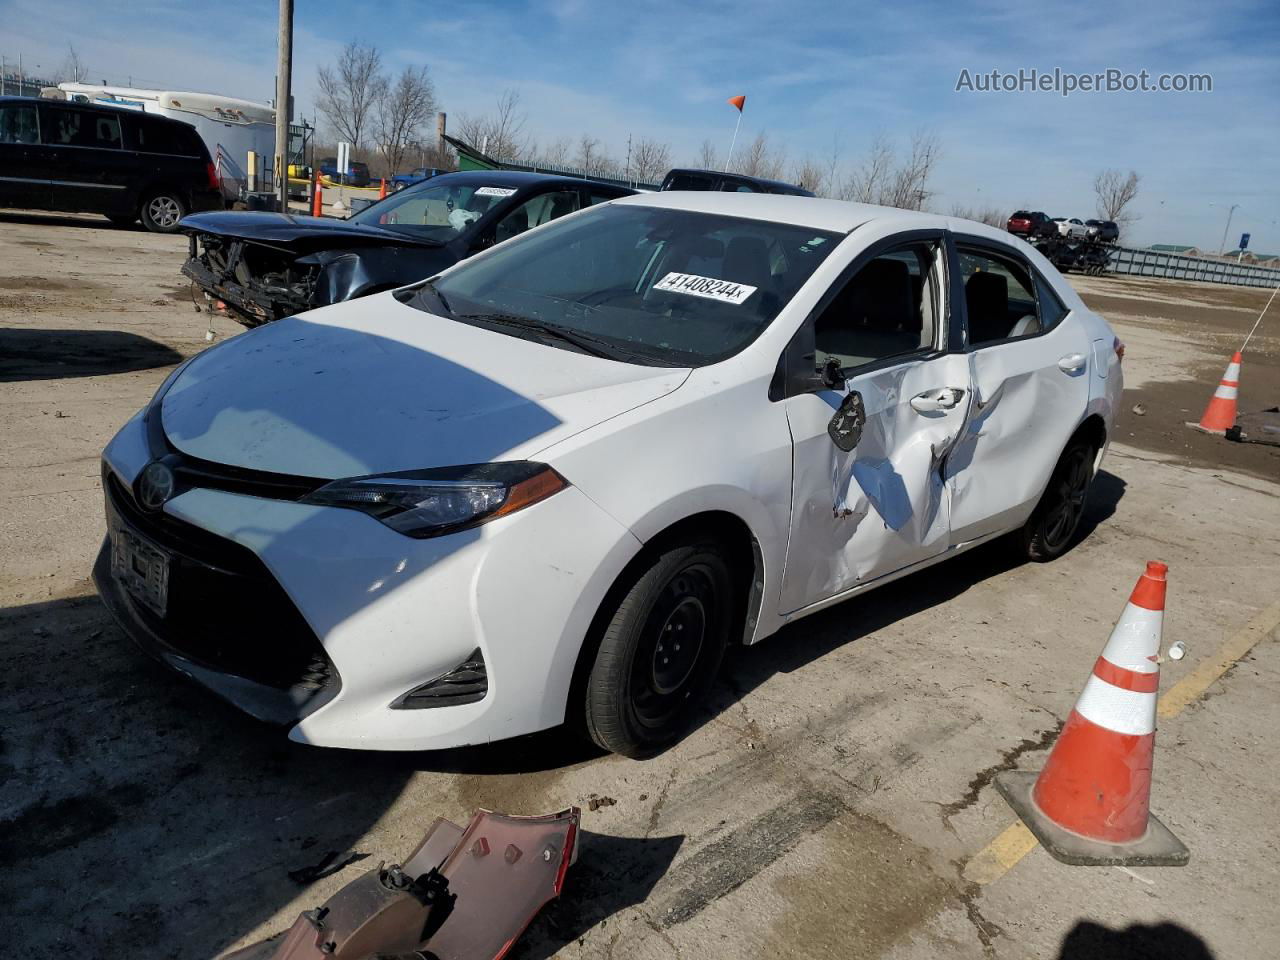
(868, 496)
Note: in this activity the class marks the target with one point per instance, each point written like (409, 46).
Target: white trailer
(230, 128)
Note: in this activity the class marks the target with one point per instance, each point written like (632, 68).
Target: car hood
(373, 386)
(303, 234)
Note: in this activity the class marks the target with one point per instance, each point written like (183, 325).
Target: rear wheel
(161, 211)
(1053, 524)
(661, 649)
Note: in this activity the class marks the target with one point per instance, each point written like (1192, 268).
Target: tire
(1051, 529)
(161, 210)
(399, 185)
(644, 683)
(122, 219)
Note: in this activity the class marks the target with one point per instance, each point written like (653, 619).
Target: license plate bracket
(140, 566)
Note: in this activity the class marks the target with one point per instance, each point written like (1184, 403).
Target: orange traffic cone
(1090, 804)
(317, 199)
(382, 189)
(1220, 414)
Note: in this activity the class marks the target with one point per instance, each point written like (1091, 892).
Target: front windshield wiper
(583, 341)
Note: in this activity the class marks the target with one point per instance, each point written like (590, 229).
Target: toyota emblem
(155, 486)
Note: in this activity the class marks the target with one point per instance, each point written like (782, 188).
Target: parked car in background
(402, 180)
(1108, 231)
(728, 183)
(557, 481)
(85, 158)
(264, 266)
(357, 174)
(1032, 224)
(1071, 227)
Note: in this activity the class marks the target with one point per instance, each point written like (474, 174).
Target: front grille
(225, 610)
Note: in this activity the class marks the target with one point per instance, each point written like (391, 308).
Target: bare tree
(1115, 192)
(991, 216)
(759, 159)
(810, 174)
(867, 184)
(408, 105)
(500, 134)
(592, 158)
(884, 179)
(350, 92)
(556, 153)
(650, 160)
(73, 68)
(708, 157)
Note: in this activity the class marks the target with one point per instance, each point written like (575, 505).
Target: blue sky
(813, 73)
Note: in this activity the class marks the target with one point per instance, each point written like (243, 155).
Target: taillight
(212, 171)
(1118, 346)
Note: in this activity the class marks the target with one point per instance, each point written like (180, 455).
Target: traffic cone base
(1157, 847)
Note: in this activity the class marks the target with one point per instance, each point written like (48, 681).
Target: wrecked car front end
(256, 283)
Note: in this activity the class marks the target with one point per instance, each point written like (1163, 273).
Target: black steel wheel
(660, 649)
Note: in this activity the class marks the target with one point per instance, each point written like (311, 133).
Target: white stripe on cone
(1121, 711)
(1226, 393)
(1233, 372)
(1135, 639)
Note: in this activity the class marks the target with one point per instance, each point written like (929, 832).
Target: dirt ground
(838, 783)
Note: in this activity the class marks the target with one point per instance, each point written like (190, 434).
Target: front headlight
(429, 503)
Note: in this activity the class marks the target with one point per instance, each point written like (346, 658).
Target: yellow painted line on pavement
(1004, 852)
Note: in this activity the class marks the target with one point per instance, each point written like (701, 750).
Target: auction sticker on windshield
(726, 291)
(495, 191)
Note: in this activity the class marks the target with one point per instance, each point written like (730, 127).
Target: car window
(1052, 309)
(434, 210)
(157, 136)
(888, 308)
(535, 212)
(687, 181)
(82, 128)
(674, 286)
(593, 198)
(731, 186)
(19, 124)
(999, 296)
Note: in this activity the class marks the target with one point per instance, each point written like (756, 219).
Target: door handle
(935, 401)
(1072, 363)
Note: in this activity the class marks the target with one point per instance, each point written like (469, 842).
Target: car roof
(79, 105)
(744, 177)
(514, 178)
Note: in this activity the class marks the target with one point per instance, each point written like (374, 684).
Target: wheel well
(748, 567)
(1093, 429)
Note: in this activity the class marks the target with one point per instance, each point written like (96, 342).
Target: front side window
(434, 211)
(19, 124)
(671, 287)
(535, 212)
(887, 309)
(999, 297)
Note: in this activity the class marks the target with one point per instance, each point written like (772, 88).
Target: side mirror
(845, 428)
(832, 374)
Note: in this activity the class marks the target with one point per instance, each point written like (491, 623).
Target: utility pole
(284, 79)
(1222, 247)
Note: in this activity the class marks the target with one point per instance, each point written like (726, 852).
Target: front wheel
(1053, 524)
(162, 210)
(660, 650)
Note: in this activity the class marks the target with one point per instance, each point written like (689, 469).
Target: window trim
(1000, 250)
(797, 366)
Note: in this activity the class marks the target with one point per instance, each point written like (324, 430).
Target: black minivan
(79, 157)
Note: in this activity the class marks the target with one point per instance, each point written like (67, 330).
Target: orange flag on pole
(739, 101)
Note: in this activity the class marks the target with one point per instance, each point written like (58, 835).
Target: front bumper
(389, 613)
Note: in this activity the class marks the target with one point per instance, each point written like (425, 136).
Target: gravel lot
(826, 806)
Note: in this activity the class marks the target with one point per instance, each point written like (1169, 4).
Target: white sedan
(1071, 227)
(555, 482)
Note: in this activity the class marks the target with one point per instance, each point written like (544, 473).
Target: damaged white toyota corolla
(556, 481)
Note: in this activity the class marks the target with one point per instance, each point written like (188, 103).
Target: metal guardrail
(1154, 263)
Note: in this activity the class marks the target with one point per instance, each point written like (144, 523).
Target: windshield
(669, 287)
(436, 211)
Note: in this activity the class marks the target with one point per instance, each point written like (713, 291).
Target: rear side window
(593, 198)
(19, 124)
(687, 181)
(999, 296)
(82, 128)
(157, 136)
